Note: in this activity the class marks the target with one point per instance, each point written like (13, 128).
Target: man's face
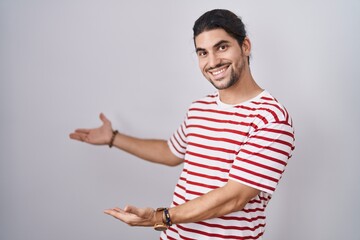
(221, 59)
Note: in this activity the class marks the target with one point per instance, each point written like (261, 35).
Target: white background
(64, 62)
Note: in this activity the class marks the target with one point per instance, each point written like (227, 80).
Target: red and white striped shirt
(249, 142)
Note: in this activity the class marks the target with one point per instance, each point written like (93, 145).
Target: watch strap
(161, 226)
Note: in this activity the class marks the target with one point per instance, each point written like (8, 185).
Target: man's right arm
(152, 150)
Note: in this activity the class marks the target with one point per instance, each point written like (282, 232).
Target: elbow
(239, 204)
(239, 195)
(172, 160)
(173, 163)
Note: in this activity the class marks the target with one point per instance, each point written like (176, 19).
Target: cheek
(240, 61)
(201, 65)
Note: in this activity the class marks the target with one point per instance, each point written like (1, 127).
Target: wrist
(158, 216)
(166, 217)
(162, 219)
(112, 139)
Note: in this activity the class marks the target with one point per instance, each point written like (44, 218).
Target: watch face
(160, 227)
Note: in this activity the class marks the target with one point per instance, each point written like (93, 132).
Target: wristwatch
(160, 227)
(165, 223)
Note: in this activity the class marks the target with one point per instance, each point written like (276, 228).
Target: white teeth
(219, 71)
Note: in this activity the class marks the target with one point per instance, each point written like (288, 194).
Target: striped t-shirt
(249, 142)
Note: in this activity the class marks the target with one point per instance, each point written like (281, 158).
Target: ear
(246, 46)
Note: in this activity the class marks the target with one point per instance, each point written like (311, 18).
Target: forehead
(208, 39)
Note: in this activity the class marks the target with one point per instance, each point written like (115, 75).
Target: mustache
(217, 66)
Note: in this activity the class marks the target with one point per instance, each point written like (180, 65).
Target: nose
(213, 60)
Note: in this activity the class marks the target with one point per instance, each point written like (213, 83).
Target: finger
(82, 130)
(109, 211)
(123, 216)
(74, 136)
(115, 210)
(113, 213)
(79, 136)
(118, 209)
(129, 218)
(104, 119)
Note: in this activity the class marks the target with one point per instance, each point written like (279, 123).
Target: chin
(221, 84)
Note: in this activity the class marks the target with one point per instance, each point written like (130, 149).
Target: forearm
(219, 202)
(152, 150)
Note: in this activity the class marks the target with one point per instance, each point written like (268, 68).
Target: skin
(223, 62)
(217, 51)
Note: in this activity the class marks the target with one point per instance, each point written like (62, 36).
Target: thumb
(132, 209)
(144, 213)
(104, 119)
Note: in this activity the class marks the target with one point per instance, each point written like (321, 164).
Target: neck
(244, 89)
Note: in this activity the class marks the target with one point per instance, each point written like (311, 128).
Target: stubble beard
(234, 78)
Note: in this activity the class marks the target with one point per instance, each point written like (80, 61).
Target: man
(234, 145)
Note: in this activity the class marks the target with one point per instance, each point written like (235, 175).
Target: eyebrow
(220, 43)
(199, 50)
(215, 46)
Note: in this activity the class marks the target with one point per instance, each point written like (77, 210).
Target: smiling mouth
(218, 72)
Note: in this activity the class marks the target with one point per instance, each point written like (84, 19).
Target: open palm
(96, 136)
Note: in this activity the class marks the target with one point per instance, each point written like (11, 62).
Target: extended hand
(134, 216)
(97, 136)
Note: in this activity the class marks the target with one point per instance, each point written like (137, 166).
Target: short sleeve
(262, 159)
(178, 142)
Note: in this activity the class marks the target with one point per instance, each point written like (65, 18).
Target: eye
(223, 47)
(201, 53)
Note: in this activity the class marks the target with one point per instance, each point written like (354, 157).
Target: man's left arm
(224, 200)
(269, 147)
(221, 201)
